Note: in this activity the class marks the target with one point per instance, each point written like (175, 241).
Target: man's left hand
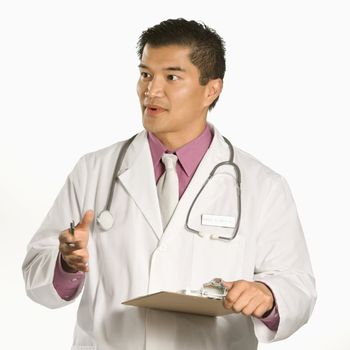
(249, 298)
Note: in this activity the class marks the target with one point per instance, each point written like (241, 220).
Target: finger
(65, 237)
(73, 245)
(83, 254)
(231, 298)
(244, 299)
(227, 285)
(67, 248)
(75, 262)
(78, 241)
(260, 310)
(78, 267)
(84, 268)
(86, 221)
(81, 266)
(234, 293)
(69, 243)
(67, 266)
(250, 308)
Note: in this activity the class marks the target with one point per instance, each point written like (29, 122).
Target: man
(148, 246)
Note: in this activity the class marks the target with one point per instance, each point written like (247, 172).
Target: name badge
(217, 220)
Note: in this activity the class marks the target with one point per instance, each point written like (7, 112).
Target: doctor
(266, 266)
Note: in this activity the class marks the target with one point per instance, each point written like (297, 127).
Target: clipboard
(180, 302)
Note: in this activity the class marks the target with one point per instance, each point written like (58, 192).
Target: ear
(213, 90)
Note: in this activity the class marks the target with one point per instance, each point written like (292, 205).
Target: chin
(149, 124)
(152, 125)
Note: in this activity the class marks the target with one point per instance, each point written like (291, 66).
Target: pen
(71, 229)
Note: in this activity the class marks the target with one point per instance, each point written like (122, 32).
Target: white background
(67, 87)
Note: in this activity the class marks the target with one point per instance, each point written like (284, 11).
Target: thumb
(87, 219)
(227, 285)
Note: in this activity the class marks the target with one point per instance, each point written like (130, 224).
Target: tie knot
(169, 160)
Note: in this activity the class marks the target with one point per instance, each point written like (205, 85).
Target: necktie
(168, 188)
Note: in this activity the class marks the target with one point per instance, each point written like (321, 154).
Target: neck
(175, 140)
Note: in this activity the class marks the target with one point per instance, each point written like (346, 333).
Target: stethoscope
(105, 219)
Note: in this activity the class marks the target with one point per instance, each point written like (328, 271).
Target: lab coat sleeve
(282, 262)
(39, 264)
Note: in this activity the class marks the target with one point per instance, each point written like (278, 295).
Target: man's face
(172, 100)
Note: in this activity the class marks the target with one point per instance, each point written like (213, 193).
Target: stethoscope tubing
(116, 171)
(238, 190)
(230, 162)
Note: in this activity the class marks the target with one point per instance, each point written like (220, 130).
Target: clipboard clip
(214, 289)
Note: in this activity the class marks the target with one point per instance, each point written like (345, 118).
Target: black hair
(207, 47)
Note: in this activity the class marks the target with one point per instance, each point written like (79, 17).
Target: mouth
(154, 110)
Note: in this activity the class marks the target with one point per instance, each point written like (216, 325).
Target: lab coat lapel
(217, 152)
(137, 176)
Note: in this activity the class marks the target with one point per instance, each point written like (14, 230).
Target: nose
(154, 89)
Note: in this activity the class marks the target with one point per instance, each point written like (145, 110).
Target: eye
(172, 77)
(145, 75)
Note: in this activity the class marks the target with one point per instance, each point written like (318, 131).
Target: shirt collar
(157, 148)
(189, 155)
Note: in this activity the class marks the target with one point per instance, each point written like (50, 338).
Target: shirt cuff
(272, 320)
(66, 283)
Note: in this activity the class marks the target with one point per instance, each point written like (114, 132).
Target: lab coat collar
(137, 176)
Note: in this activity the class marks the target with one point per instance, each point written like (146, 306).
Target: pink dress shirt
(189, 156)
(66, 283)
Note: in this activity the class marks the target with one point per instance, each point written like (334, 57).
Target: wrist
(269, 290)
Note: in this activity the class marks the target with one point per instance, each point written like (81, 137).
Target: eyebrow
(176, 69)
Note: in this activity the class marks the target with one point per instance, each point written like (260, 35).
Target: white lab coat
(135, 257)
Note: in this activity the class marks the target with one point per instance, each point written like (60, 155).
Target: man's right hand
(75, 255)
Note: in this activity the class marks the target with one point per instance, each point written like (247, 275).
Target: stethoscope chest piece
(105, 220)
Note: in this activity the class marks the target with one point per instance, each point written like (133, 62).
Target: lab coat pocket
(217, 258)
